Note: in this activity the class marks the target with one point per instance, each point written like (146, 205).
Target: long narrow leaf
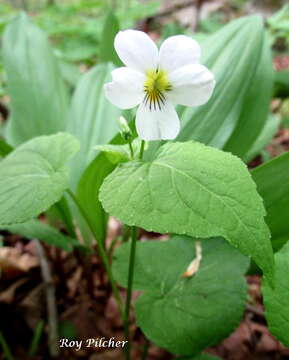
(38, 95)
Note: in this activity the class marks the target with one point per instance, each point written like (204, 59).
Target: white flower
(158, 80)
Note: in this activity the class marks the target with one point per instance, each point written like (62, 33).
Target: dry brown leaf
(14, 262)
(7, 296)
(195, 264)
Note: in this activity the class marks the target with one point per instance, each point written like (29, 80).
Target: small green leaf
(195, 190)
(5, 148)
(185, 315)
(277, 300)
(107, 52)
(281, 85)
(115, 153)
(35, 229)
(120, 153)
(34, 176)
(272, 179)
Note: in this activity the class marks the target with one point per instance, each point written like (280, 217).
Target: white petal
(157, 124)
(192, 85)
(126, 89)
(178, 51)
(136, 50)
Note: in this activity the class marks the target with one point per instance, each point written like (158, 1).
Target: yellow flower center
(155, 86)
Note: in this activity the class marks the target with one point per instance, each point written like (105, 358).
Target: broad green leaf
(185, 315)
(92, 119)
(107, 52)
(195, 190)
(269, 130)
(5, 148)
(34, 176)
(277, 300)
(38, 95)
(35, 229)
(272, 179)
(234, 103)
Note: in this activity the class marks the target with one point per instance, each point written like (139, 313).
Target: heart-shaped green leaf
(34, 176)
(277, 300)
(185, 315)
(195, 190)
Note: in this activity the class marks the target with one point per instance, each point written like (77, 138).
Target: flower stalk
(142, 146)
(129, 290)
(102, 253)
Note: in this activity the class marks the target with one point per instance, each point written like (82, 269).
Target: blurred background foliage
(76, 29)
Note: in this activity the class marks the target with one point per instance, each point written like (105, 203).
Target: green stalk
(142, 146)
(129, 291)
(102, 252)
(66, 220)
(36, 338)
(130, 275)
(145, 350)
(6, 350)
(131, 149)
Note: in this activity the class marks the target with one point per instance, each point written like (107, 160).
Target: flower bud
(124, 128)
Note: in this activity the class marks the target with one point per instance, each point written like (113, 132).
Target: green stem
(131, 149)
(101, 250)
(5, 348)
(129, 290)
(36, 338)
(145, 350)
(66, 220)
(142, 146)
(125, 233)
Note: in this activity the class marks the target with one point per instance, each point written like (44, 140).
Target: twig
(50, 301)
(254, 310)
(174, 8)
(199, 4)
